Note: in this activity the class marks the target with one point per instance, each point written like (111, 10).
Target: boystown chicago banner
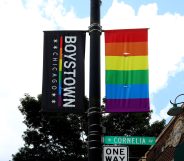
(126, 57)
(63, 71)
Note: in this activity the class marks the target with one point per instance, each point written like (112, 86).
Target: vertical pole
(94, 111)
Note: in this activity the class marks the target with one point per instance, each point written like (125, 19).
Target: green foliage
(156, 128)
(50, 136)
(58, 136)
(132, 124)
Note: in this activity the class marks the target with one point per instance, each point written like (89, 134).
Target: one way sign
(115, 153)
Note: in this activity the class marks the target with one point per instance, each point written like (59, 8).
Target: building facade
(170, 143)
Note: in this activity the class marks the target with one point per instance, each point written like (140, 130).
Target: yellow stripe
(60, 64)
(60, 59)
(126, 62)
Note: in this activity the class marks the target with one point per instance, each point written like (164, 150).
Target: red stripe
(61, 42)
(126, 35)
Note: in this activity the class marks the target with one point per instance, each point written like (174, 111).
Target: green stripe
(127, 77)
(60, 76)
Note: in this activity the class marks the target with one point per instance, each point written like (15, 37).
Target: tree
(50, 137)
(58, 136)
(131, 124)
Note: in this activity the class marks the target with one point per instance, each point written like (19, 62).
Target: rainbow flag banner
(126, 59)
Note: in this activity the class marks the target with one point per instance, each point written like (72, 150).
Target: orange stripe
(126, 49)
(61, 53)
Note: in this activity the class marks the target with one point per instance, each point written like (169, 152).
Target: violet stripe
(127, 105)
(60, 103)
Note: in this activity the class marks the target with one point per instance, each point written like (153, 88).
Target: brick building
(170, 143)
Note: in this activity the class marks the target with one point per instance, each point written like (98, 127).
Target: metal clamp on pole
(94, 129)
(94, 133)
(95, 27)
(93, 111)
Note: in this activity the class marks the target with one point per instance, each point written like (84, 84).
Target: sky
(21, 51)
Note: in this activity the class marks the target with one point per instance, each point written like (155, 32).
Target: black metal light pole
(94, 111)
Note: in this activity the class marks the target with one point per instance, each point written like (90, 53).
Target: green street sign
(130, 140)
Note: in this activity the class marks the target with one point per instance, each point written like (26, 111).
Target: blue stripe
(122, 91)
(59, 89)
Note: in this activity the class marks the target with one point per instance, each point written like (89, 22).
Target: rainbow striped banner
(126, 56)
(60, 103)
